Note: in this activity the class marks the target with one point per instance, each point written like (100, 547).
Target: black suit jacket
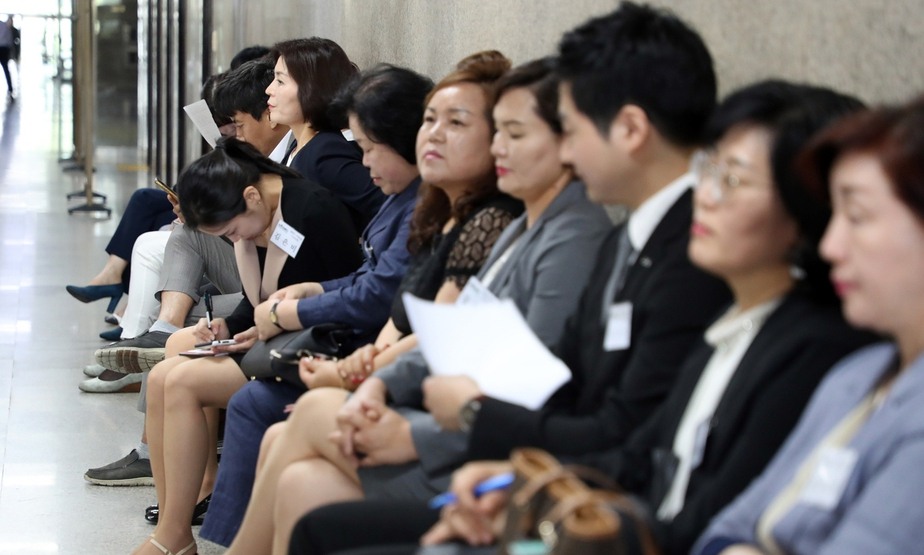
(335, 163)
(330, 248)
(791, 353)
(611, 393)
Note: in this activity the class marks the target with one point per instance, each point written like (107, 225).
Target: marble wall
(872, 48)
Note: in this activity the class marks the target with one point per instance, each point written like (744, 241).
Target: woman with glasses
(742, 388)
(848, 479)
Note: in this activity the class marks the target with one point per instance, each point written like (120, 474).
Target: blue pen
(501, 481)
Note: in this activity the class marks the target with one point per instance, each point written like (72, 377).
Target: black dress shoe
(152, 513)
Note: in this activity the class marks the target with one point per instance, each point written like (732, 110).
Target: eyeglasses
(715, 175)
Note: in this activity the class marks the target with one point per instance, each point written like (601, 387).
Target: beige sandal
(166, 551)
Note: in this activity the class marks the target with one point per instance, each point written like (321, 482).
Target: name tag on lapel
(287, 238)
(618, 327)
(826, 486)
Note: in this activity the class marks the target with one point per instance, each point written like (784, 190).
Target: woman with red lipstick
(308, 74)
(742, 389)
(848, 480)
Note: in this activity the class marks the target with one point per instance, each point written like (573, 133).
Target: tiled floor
(50, 432)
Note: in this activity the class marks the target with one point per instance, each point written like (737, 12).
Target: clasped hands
(347, 373)
(369, 433)
(476, 520)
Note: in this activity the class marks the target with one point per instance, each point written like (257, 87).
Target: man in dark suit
(637, 88)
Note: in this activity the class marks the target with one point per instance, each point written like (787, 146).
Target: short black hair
(540, 79)
(643, 56)
(208, 90)
(244, 89)
(388, 101)
(320, 68)
(212, 187)
(248, 54)
(792, 113)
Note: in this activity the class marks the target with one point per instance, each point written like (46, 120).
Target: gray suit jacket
(545, 276)
(880, 509)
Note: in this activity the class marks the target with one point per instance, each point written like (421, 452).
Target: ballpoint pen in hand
(494, 483)
(208, 309)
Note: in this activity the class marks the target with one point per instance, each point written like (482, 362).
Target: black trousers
(5, 52)
(369, 526)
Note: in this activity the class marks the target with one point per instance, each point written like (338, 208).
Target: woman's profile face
(740, 227)
(284, 107)
(389, 170)
(454, 141)
(875, 245)
(525, 148)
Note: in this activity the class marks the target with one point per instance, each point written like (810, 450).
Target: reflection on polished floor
(50, 432)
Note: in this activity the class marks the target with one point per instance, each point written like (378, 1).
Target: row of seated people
(149, 209)
(696, 332)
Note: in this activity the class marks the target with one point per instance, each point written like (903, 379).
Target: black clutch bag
(277, 359)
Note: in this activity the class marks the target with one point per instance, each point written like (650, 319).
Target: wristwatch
(274, 318)
(469, 412)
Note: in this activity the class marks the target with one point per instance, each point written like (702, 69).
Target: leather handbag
(278, 358)
(550, 502)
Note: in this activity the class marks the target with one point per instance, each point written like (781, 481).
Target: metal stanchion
(85, 87)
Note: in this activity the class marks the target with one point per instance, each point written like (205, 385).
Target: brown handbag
(550, 502)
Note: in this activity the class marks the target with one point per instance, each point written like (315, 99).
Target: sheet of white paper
(475, 292)
(492, 344)
(201, 117)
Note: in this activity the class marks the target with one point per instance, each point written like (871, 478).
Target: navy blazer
(791, 353)
(613, 392)
(363, 299)
(335, 163)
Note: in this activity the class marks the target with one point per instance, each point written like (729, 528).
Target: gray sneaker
(130, 470)
(131, 356)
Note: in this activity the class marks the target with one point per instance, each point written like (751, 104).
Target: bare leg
(305, 438)
(190, 389)
(303, 487)
(111, 272)
(211, 467)
(174, 306)
(271, 435)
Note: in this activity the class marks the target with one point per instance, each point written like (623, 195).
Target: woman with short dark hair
(308, 74)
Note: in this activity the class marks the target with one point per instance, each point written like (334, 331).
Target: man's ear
(631, 128)
(266, 115)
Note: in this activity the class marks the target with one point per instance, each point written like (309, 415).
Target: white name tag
(618, 327)
(287, 238)
(826, 486)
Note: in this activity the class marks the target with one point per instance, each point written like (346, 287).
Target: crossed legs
(299, 469)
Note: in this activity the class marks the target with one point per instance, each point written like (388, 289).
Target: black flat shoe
(152, 513)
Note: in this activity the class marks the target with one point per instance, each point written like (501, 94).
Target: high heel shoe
(152, 513)
(113, 334)
(90, 293)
